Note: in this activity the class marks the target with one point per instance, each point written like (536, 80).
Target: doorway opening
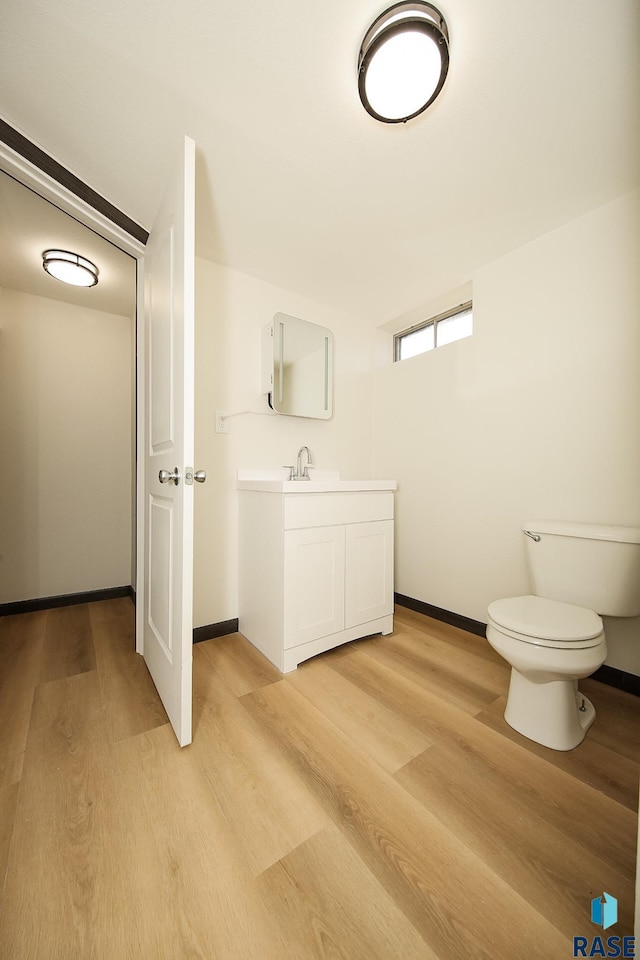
(68, 407)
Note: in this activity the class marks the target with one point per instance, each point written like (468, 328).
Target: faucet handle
(290, 469)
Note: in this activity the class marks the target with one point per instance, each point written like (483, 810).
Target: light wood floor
(372, 805)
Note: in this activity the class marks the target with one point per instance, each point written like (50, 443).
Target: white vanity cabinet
(316, 567)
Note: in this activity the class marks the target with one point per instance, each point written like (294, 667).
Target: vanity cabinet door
(369, 571)
(313, 584)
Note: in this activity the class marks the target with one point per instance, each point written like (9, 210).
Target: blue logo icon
(604, 911)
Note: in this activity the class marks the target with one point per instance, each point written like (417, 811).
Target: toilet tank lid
(585, 531)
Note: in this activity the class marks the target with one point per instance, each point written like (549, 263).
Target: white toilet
(555, 638)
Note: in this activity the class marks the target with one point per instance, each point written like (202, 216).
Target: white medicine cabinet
(297, 367)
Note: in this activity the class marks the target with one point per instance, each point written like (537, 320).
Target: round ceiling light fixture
(70, 268)
(403, 61)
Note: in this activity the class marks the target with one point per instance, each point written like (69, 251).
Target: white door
(169, 283)
(369, 571)
(313, 584)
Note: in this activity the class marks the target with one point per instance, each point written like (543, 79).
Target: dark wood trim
(64, 600)
(618, 678)
(609, 675)
(25, 148)
(446, 616)
(212, 630)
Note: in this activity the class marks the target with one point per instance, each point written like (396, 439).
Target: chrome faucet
(301, 474)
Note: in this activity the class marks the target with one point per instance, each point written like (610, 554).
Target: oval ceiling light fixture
(70, 268)
(403, 61)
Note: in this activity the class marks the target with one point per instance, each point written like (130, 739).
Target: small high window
(435, 332)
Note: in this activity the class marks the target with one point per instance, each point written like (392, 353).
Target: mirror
(302, 382)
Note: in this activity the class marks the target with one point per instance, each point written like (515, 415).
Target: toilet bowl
(550, 646)
(555, 637)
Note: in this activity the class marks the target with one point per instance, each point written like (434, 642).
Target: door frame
(30, 175)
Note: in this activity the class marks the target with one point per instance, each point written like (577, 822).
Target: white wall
(231, 309)
(535, 415)
(65, 434)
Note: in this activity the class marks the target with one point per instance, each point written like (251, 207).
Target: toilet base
(552, 713)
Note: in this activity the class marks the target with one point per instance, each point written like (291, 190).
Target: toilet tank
(586, 564)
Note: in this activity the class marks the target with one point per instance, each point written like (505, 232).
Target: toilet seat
(546, 623)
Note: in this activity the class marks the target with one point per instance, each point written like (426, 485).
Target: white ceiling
(538, 122)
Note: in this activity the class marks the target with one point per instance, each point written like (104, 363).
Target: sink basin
(322, 481)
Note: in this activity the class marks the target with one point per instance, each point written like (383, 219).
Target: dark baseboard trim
(208, 632)
(613, 677)
(25, 148)
(618, 678)
(446, 616)
(212, 630)
(65, 600)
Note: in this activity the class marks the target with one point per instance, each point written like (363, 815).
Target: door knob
(165, 477)
(190, 475)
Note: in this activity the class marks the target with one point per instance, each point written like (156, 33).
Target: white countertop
(316, 486)
(274, 480)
